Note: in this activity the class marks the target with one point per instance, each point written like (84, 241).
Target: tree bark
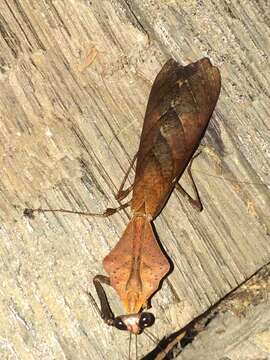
(75, 77)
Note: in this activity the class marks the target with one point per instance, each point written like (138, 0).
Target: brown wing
(180, 105)
(136, 265)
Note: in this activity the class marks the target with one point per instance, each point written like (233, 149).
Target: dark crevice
(170, 346)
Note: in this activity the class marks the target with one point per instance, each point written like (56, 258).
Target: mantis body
(180, 104)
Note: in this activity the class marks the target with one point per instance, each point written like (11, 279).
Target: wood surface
(75, 77)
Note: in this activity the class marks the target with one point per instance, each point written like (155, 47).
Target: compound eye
(146, 319)
(119, 324)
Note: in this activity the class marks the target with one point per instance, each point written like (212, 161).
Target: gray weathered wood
(75, 76)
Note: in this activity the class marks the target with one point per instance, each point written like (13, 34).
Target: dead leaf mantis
(181, 102)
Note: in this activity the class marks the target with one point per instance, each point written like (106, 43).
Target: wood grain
(70, 122)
